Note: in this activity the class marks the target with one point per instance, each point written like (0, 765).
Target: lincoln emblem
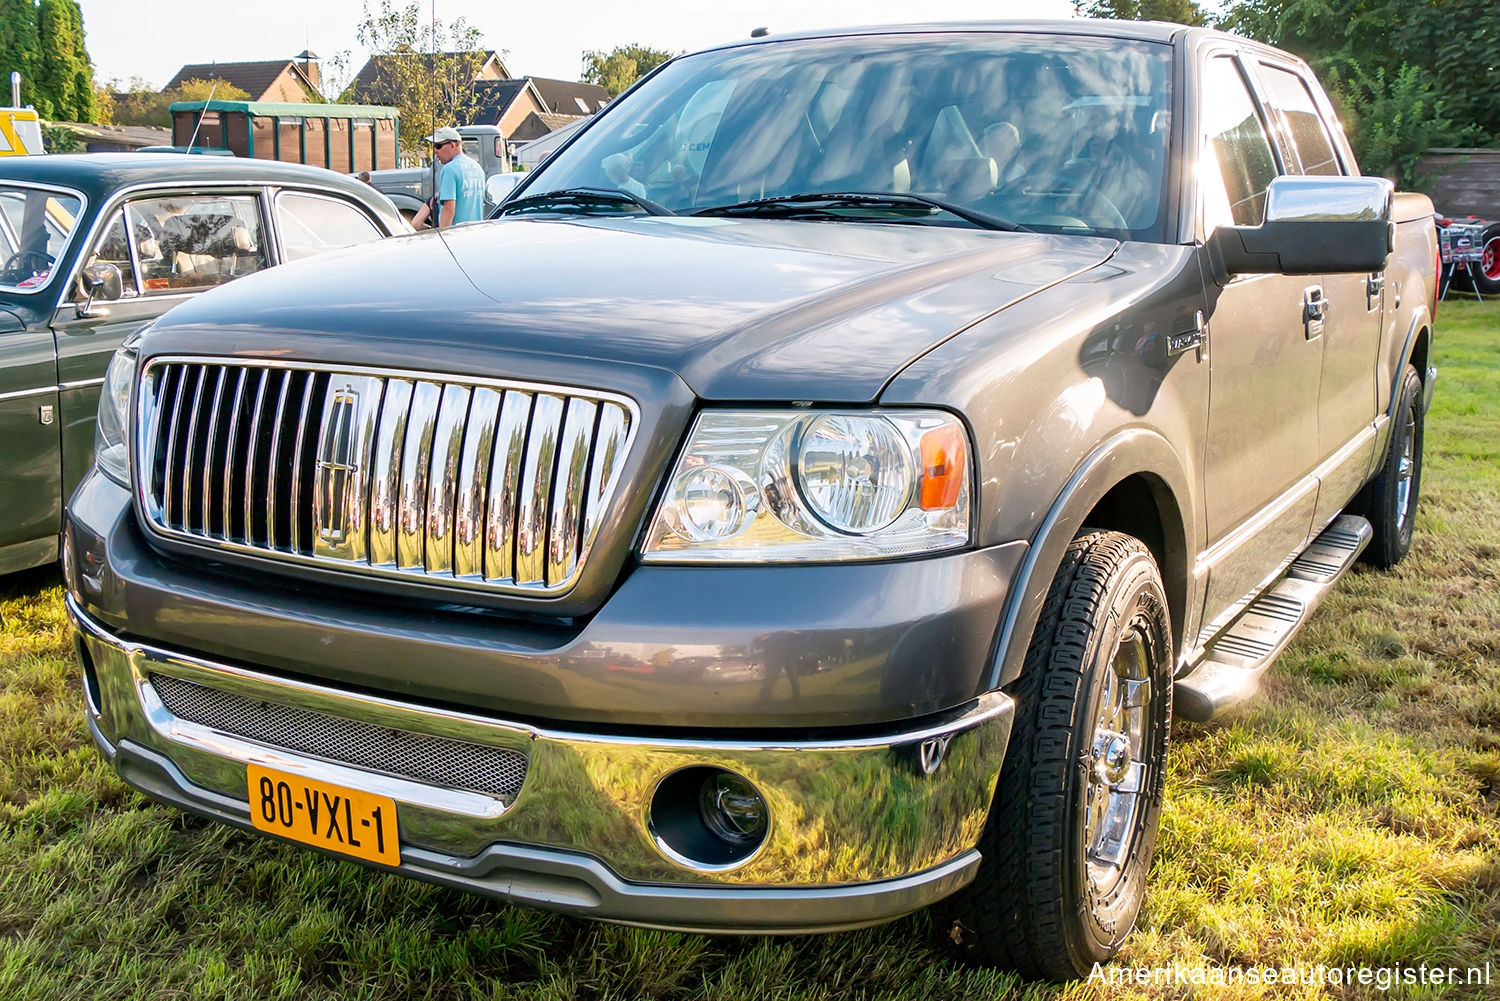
(336, 465)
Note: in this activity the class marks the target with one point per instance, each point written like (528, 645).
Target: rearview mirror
(1314, 225)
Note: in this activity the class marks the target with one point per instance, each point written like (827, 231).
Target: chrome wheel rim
(1407, 465)
(1117, 777)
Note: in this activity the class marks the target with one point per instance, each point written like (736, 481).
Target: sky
(152, 38)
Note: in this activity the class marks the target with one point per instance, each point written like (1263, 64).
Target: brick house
(294, 80)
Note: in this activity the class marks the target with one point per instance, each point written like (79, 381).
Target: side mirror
(499, 186)
(99, 280)
(1313, 226)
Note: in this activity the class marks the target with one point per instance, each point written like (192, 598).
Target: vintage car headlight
(810, 486)
(111, 450)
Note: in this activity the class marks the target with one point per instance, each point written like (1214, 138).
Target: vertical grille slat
(416, 461)
(299, 448)
(385, 471)
(188, 448)
(536, 488)
(473, 479)
(215, 412)
(567, 494)
(255, 424)
(273, 487)
(231, 450)
(428, 478)
(505, 482)
(442, 478)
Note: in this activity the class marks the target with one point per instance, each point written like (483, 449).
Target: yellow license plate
(324, 815)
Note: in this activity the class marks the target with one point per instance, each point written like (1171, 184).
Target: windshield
(34, 229)
(1053, 132)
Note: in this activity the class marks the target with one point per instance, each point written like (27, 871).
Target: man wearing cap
(461, 181)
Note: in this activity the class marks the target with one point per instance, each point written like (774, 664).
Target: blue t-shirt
(462, 183)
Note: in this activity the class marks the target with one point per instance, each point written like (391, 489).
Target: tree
(424, 67)
(620, 67)
(1180, 11)
(143, 105)
(20, 48)
(65, 76)
(1406, 76)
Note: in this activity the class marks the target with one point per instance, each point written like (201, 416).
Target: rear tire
(1068, 843)
(1487, 281)
(1390, 501)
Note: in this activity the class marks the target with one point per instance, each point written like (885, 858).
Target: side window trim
(1283, 127)
(102, 232)
(256, 193)
(381, 230)
(1236, 58)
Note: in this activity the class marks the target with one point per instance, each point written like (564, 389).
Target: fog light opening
(708, 818)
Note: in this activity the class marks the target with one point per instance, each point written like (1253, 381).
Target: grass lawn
(1351, 816)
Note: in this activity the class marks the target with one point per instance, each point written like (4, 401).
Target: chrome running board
(1233, 661)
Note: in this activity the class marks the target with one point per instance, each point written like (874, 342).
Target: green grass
(1351, 816)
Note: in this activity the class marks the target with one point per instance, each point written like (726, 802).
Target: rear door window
(312, 224)
(1305, 128)
(197, 240)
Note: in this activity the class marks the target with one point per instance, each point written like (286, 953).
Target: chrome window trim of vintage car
(594, 498)
(262, 190)
(120, 196)
(275, 191)
(67, 247)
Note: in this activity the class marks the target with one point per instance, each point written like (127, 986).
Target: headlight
(785, 485)
(111, 450)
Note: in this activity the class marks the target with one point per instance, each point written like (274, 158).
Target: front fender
(1134, 452)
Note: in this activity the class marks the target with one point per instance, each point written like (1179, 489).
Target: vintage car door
(30, 490)
(167, 248)
(1352, 311)
(1259, 491)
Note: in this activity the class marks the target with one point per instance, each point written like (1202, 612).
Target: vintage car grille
(440, 761)
(486, 485)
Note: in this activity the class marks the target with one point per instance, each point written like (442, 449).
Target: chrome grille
(477, 484)
(440, 761)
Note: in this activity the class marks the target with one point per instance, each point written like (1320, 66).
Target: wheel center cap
(1112, 756)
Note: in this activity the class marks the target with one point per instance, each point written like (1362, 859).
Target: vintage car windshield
(1056, 133)
(35, 225)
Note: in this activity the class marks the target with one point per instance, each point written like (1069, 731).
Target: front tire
(1072, 829)
(1390, 501)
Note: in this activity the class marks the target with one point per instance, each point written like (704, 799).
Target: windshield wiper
(791, 206)
(581, 197)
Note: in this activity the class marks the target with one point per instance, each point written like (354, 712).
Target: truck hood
(738, 309)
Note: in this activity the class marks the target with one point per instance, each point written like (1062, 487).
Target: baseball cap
(445, 134)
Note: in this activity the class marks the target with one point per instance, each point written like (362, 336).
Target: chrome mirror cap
(1329, 199)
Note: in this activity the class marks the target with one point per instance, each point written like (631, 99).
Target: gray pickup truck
(410, 187)
(808, 502)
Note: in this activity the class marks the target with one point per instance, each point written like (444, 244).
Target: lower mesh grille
(453, 764)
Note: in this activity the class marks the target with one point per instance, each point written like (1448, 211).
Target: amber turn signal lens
(944, 462)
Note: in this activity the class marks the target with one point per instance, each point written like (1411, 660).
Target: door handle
(1314, 309)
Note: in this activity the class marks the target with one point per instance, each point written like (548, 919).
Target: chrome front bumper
(862, 829)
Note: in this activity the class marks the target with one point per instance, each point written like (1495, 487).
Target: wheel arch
(1417, 351)
(1132, 483)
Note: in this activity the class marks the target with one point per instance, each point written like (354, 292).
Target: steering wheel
(17, 261)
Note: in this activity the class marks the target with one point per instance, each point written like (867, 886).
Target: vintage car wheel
(1073, 826)
(1390, 501)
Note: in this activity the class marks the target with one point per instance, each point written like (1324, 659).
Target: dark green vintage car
(95, 246)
